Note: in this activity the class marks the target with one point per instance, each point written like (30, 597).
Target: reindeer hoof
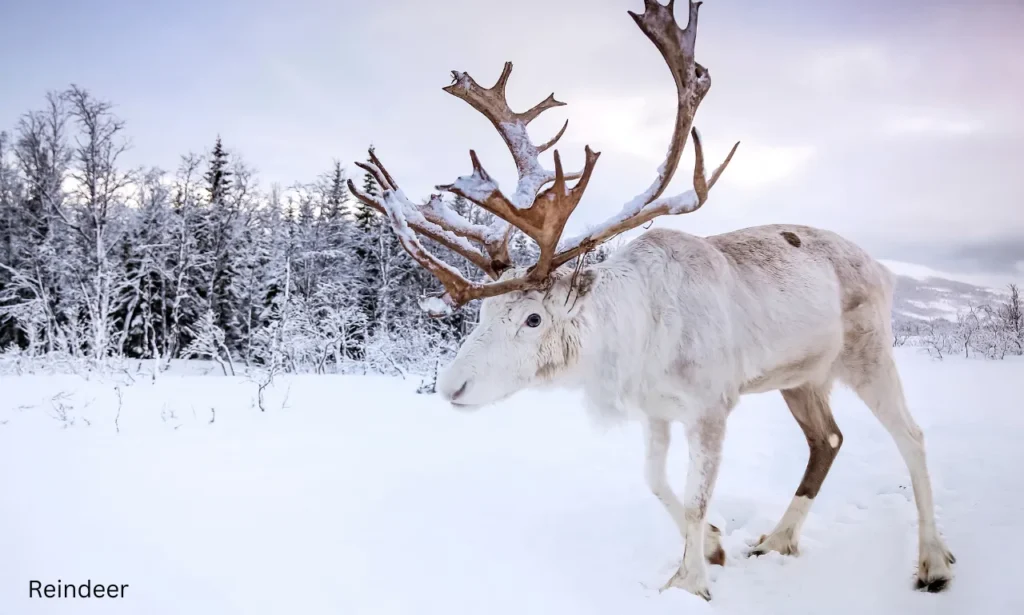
(693, 583)
(780, 543)
(933, 587)
(934, 571)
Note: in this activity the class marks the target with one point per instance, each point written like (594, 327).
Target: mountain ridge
(923, 293)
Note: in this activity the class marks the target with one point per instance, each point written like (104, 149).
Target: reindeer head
(529, 328)
(524, 338)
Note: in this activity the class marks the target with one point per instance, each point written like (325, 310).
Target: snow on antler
(541, 213)
(639, 210)
(677, 46)
(492, 103)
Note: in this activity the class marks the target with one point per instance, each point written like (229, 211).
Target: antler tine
(692, 80)
(493, 238)
(543, 217)
(434, 220)
(458, 290)
(553, 208)
(531, 114)
(687, 202)
(721, 168)
(378, 176)
(700, 181)
(692, 83)
(492, 104)
(549, 144)
(701, 185)
(387, 176)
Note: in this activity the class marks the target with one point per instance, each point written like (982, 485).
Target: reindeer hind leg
(809, 405)
(877, 383)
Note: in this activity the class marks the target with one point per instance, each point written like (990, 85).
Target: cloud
(758, 165)
(934, 123)
(628, 125)
(898, 125)
(856, 65)
(634, 126)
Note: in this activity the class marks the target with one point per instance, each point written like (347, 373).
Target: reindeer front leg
(658, 434)
(704, 437)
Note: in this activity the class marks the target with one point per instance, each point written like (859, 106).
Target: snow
(485, 234)
(913, 270)
(531, 174)
(682, 203)
(642, 205)
(353, 494)
(944, 306)
(477, 187)
(401, 210)
(435, 306)
(396, 204)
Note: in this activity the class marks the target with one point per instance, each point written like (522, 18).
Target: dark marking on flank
(853, 301)
(792, 238)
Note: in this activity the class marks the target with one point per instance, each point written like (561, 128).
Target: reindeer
(672, 327)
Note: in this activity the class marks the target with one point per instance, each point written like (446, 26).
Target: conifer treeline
(97, 260)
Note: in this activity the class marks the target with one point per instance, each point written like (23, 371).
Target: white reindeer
(674, 326)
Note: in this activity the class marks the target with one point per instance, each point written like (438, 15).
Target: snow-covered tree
(208, 342)
(97, 216)
(97, 259)
(1011, 317)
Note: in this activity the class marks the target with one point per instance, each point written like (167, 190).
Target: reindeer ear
(585, 281)
(576, 287)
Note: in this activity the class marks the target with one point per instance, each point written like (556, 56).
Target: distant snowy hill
(923, 293)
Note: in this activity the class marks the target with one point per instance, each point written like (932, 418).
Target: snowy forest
(991, 331)
(98, 261)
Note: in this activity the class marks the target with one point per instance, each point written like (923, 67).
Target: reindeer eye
(533, 320)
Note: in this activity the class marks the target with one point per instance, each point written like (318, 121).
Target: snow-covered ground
(355, 495)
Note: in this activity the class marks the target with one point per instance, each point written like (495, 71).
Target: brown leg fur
(713, 550)
(810, 408)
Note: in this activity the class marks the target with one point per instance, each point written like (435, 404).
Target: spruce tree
(366, 215)
(219, 237)
(461, 206)
(218, 176)
(367, 251)
(337, 194)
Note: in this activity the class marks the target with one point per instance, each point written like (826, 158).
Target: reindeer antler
(542, 215)
(693, 81)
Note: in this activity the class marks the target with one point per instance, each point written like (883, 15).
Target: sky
(898, 124)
